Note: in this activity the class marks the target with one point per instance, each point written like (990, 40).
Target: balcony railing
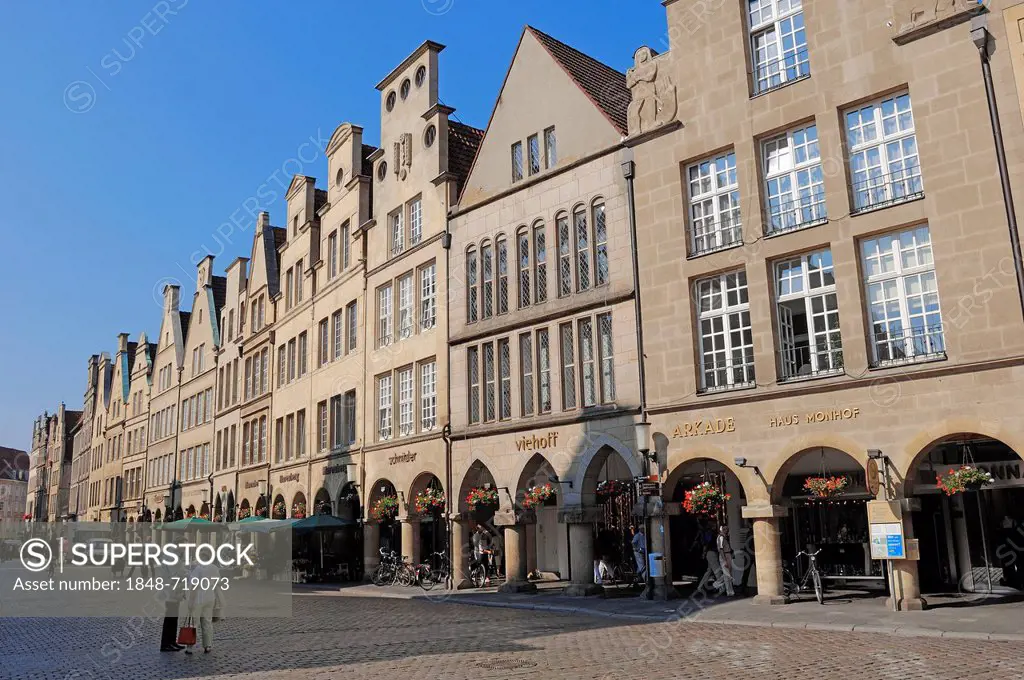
(727, 374)
(909, 345)
(796, 213)
(798, 363)
(882, 190)
(714, 236)
(776, 73)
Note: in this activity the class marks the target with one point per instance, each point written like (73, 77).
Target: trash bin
(656, 565)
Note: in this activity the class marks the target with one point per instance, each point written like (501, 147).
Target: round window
(390, 101)
(405, 88)
(382, 170)
(421, 75)
(340, 177)
(429, 135)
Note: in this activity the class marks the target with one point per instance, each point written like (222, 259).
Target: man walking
(725, 561)
(639, 544)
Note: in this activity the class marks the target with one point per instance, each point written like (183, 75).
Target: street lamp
(263, 494)
(642, 430)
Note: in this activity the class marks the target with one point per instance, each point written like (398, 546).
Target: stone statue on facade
(654, 100)
(403, 155)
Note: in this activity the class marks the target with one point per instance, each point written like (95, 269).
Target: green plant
(536, 495)
(705, 499)
(384, 508)
(965, 478)
(482, 497)
(826, 487)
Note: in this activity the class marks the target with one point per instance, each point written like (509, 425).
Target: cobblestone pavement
(341, 637)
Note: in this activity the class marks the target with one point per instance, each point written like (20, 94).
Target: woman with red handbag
(202, 603)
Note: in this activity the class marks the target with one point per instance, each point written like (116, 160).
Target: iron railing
(796, 213)
(776, 73)
(797, 363)
(882, 190)
(715, 236)
(909, 345)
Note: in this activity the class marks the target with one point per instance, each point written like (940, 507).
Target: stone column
(411, 539)
(531, 548)
(663, 588)
(767, 551)
(461, 551)
(515, 553)
(371, 548)
(581, 552)
(905, 582)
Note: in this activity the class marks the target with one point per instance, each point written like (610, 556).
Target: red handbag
(187, 634)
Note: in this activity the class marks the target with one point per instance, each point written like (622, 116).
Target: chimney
(122, 342)
(172, 295)
(263, 221)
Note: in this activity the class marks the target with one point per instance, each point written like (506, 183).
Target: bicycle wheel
(380, 575)
(478, 575)
(819, 591)
(406, 576)
(624, 576)
(429, 578)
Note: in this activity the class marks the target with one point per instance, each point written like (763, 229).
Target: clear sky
(130, 131)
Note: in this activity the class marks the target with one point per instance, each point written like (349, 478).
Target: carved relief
(913, 19)
(403, 155)
(654, 100)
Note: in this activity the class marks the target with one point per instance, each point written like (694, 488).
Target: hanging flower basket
(299, 510)
(826, 487)
(612, 488)
(482, 497)
(280, 510)
(216, 518)
(189, 514)
(204, 515)
(966, 478)
(705, 499)
(536, 495)
(385, 508)
(243, 513)
(429, 500)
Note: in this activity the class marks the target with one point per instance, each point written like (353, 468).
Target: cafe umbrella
(321, 523)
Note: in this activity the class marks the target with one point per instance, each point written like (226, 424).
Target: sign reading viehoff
(534, 442)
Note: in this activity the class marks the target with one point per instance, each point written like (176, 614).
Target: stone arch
(537, 471)
(599, 447)
(190, 511)
(381, 487)
(299, 509)
(322, 502)
(347, 506)
(218, 509)
(678, 464)
(918, 448)
(204, 510)
(824, 444)
(158, 515)
(278, 510)
(477, 474)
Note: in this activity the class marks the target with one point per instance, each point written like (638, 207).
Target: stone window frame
(726, 222)
(802, 270)
(781, 164)
(727, 314)
(778, 18)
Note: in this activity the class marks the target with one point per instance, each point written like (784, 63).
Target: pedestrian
(203, 601)
(709, 551)
(482, 552)
(725, 560)
(639, 543)
(169, 630)
(603, 550)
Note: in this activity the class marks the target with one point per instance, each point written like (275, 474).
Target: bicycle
(790, 585)
(429, 577)
(480, 571)
(624, 576)
(386, 572)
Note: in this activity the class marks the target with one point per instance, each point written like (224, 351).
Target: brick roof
(463, 143)
(367, 168)
(605, 86)
(12, 460)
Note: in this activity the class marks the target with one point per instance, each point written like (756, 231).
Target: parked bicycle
(811, 579)
(386, 572)
(482, 570)
(428, 576)
(623, 576)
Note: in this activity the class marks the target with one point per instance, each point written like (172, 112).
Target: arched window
(487, 267)
(523, 260)
(583, 255)
(564, 255)
(601, 271)
(472, 290)
(540, 256)
(501, 246)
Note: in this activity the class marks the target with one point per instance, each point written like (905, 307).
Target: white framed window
(303, 354)
(405, 306)
(714, 204)
(794, 181)
(338, 328)
(473, 372)
(808, 316)
(533, 147)
(550, 148)
(325, 352)
(472, 289)
(525, 272)
(405, 410)
(490, 398)
(601, 266)
(352, 326)
(384, 316)
(384, 397)
(778, 43)
(588, 369)
(428, 296)
(293, 359)
(487, 267)
(415, 221)
(332, 255)
(541, 256)
(428, 396)
(902, 297)
(606, 355)
(517, 161)
(299, 277)
(565, 334)
(726, 340)
(526, 374)
(280, 366)
(504, 379)
(564, 255)
(346, 254)
(884, 164)
(501, 245)
(397, 233)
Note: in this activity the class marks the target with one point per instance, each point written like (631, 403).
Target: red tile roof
(463, 143)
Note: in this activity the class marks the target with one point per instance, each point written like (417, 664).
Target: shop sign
(254, 484)
(648, 488)
(291, 477)
(335, 469)
(871, 479)
(408, 457)
(533, 442)
(825, 416)
(701, 427)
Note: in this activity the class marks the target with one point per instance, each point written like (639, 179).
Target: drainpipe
(982, 40)
(446, 431)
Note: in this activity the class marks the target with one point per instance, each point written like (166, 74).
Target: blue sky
(131, 130)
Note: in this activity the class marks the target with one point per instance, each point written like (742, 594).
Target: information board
(887, 542)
